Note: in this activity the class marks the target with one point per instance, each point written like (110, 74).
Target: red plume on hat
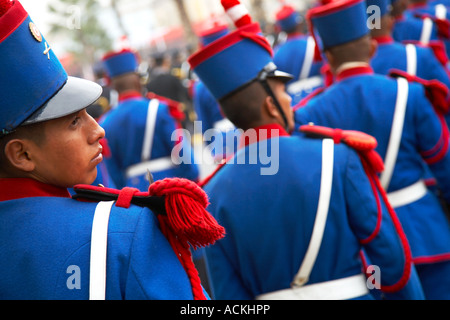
(237, 12)
(5, 5)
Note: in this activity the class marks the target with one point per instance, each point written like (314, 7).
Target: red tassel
(187, 222)
(186, 211)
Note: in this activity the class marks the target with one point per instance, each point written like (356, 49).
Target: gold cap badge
(35, 32)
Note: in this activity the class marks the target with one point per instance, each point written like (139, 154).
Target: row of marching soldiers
(351, 205)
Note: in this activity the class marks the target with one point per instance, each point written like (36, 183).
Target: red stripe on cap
(111, 54)
(284, 12)
(12, 19)
(5, 5)
(331, 7)
(222, 44)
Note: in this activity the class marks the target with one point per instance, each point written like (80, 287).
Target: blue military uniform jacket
(360, 100)
(127, 128)
(420, 62)
(269, 219)
(411, 26)
(45, 248)
(297, 56)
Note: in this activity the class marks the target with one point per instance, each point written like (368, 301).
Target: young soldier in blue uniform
(141, 133)
(269, 207)
(297, 55)
(53, 246)
(408, 128)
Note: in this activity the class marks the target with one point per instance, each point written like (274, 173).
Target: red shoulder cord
(187, 222)
(365, 145)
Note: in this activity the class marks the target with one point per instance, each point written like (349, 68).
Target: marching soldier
(414, 59)
(416, 22)
(270, 208)
(109, 245)
(142, 133)
(410, 130)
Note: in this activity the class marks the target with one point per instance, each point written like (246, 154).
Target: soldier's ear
(373, 47)
(271, 108)
(16, 151)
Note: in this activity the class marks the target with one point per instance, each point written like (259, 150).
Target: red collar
(19, 188)
(399, 18)
(261, 133)
(296, 35)
(129, 95)
(383, 39)
(352, 72)
(417, 5)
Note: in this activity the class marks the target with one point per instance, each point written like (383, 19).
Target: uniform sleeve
(154, 271)
(379, 232)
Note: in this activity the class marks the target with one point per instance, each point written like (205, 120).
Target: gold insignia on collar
(35, 32)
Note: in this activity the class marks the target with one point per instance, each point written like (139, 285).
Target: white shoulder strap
(326, 182)
(150, 129)
(396, 132)
(99, 240)
(411, 59)
(309, 58)
(427, 28)
(441, 11)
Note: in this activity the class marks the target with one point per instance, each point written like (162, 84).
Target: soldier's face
(71, 151)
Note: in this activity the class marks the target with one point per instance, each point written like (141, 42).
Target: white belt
(305, 84)
(408, 195)
(156, 165)
(340, 289)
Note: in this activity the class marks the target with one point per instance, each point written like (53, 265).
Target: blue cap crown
(383, 6)
(339, 22)
(233, 61)
(30, 73)
(121, 62)
(212, 34)
(287, 18)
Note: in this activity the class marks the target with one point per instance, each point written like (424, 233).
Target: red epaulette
(442, 25)
(363, 143)
(181, 200)
(175, 107)
(180, 206)
(437, 46)
(436, 92)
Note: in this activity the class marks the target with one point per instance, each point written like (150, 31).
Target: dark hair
(243, 107)
(357, 50)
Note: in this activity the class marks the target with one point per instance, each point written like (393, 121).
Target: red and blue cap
(236, 59)
(213, 33)
(383, 5)
(35, 87)
(339, 22)
(287, 18)
(121, 62)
